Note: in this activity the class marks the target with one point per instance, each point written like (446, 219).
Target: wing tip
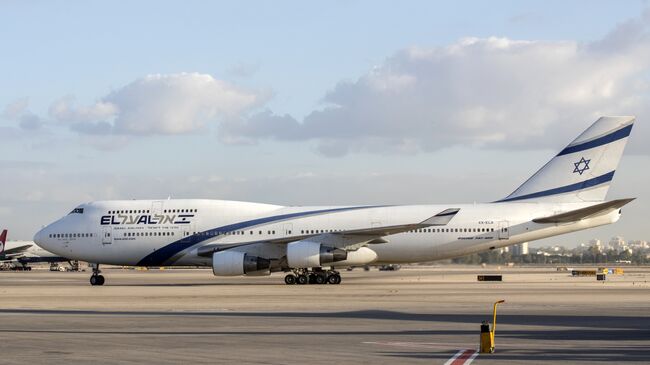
(441, 218)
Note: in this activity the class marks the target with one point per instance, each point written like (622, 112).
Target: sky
(312, 103)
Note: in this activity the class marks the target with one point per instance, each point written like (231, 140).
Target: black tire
(312, 278)
(337, 277)
(302, 280)
(101, 280)
(331, 279)
(320, 279)
(93, 280)
(290, 279)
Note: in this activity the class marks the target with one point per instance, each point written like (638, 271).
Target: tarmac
(419, 315)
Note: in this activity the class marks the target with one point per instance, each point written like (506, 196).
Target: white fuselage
(171, 232)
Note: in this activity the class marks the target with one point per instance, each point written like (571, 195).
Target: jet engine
(233, 263)
(303, 254)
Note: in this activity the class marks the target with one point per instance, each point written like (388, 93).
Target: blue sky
(310, 103)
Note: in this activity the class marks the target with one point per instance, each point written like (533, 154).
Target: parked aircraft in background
(237, 238)
(24, 253)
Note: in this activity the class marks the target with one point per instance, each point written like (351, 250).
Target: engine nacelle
(234, 263)
(303, 254)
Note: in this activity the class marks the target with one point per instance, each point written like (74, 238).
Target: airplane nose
(39, 237)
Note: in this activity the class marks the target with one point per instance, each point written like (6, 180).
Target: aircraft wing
(584, 213)
(439, 219)
(339, 239)
(16, 251)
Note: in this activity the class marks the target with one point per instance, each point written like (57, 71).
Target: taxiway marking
(462, 357)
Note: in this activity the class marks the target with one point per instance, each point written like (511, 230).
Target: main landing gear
(316, 276)
(96, 278)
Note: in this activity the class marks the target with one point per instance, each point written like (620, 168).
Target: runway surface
(415, 315)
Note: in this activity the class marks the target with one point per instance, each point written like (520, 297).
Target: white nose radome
(39, 238)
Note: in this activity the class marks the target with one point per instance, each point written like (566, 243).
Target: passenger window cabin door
(187, 230)
(107, 235)
(287, 229)
(156, 208)
(503, 230)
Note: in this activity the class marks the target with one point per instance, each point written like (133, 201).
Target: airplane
(24, 252)
(309, 243)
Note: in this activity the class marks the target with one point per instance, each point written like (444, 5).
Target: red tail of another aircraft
(3, 239)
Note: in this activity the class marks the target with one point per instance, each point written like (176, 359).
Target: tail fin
(3, 239)
(583, 170)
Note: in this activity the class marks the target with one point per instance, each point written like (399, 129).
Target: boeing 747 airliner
(310, 243)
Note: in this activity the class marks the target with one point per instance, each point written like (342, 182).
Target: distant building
(638, 244)
(595, 243)
(618, 243)
(520, 249)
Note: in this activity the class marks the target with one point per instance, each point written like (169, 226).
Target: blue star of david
(581, 166)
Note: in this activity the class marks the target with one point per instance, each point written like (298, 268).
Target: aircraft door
(287, 228)
(107, 235)
(156, 208)
(188, 231)
(503, 230)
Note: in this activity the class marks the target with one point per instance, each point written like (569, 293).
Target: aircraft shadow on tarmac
(611, 329)
(618, 354)
(600, 322)
(192, 284)
(604, 327)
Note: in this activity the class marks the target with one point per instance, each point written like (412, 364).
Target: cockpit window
(77, 211)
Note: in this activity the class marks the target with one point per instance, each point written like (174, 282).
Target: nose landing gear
(96, 278)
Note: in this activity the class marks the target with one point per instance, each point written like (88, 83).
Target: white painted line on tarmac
(462, 357)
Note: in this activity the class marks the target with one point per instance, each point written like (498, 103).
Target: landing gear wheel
(334, 279)
(96, 278)
(320, 279)
(290, 279)
(302, 279)
(312, 278)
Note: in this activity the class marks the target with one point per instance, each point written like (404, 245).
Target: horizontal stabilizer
(584, 213)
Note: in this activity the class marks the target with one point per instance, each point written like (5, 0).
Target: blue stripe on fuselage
(565, 189)
(160, 256)
(614, 136)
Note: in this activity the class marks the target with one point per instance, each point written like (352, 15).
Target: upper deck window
(77, 211)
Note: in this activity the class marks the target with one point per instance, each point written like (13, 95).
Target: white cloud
(484, 92)
(65, 110)
(16, 108)
(159, 104)
(18, 111)
(492, 92)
